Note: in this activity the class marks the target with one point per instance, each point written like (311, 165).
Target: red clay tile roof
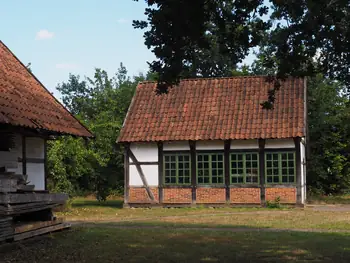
(24, 101)
(210, 109)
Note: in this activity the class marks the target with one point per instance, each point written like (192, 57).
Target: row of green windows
(244, 168)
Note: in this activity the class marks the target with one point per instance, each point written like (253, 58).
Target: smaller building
(209, 141)
(29, 116)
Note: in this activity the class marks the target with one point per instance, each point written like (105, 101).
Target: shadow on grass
(179, 245)
(94, 203)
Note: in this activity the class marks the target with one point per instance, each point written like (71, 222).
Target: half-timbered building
(209, 141)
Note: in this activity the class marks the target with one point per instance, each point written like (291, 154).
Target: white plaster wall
(36, 175)
(210, 145)
(303, 172)
(144, 152)
(244, 144)
(176, 146)
(279, 143)
(9, 159)
(35, 147)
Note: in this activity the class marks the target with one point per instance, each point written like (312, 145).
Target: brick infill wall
(245, 195)
(139, 195)
(287, 195)
(177, 195)
(211, 195)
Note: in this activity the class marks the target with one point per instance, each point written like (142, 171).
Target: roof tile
(24, 101)
(210, 109)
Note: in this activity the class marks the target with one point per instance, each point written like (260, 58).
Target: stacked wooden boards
(6, 228)
(27, 214)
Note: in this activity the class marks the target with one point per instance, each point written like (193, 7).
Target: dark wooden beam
(142, 175)
(46, 171)
(160, 172)
(262, 170)
(227, 146)
(33, 160)
(126, 173)
(298, 168)
(145, 163)
(193, 170)
(24, 155)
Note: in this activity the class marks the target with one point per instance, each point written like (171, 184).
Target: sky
(75, 36)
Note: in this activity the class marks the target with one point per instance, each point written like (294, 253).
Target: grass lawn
(174, 245)
(113, 234)
(91, 211)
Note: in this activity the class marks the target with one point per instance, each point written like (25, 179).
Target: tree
(101, 103)
(208, 39)
(296, 33)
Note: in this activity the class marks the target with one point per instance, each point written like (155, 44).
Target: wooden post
(227, 145)
(193, 171)
(126, 173)
(46, 171)
(298, 168)
(160, 172)
(262, 170)
(142, 175)
(24, 155)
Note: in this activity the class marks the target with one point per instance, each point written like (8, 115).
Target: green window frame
(280, 168)
(177, 169)
(210, 168)
(244, 168)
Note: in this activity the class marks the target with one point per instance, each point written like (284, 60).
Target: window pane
(275, 179)
(291, 179)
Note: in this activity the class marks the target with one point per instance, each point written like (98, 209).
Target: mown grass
(309, 219)
(174, 245)
(329, 199)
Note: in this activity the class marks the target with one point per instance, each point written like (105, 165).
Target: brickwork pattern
(211, 195)
(287, 195)
(139, 195)
(177, 195)
(245, 195)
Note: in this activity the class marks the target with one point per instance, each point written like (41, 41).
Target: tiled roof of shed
(24, 101)
(212, 109)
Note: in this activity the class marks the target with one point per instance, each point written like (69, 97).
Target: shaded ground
(106, 233)
(175, 245)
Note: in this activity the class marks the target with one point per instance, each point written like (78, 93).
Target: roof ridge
(211, 78)
(42, 85)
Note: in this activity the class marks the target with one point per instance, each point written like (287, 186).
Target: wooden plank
(8, 185)
(16, 198)
(30, 226)
(142, 175)
(40, 231)
(193, 171)
(126, 173)
(298, 168)
(227, 146)
(25, 188)
(262, 170)
(24, 155)
(160, 171)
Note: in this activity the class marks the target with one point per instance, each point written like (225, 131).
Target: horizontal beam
(32, 160)
(144, 163)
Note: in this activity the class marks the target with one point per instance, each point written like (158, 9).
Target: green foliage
(275, 203)
(208, 39)
(101, 103)
(329, 144)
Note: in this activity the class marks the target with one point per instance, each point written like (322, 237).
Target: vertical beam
(24, 155)
(160, 172)
(46, 171)
(298, 168)
(262, 170)
(193, 170)
(227, 145)
(126, 173)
